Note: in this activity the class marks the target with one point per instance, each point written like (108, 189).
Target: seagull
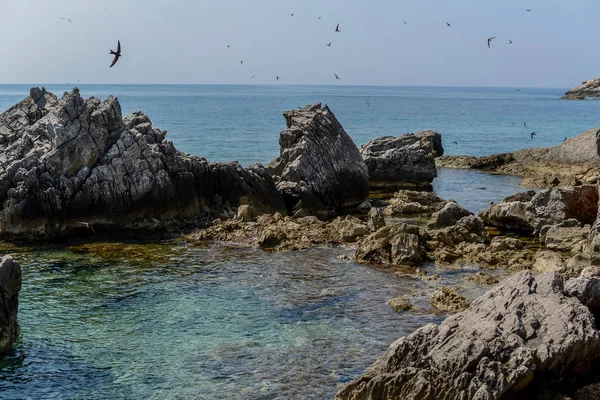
(277, 77)
(252, 76)
(509, 41)
(329, 44)
(532, 134)
(69, 20)
(337, 77)
(87, 225)
(524, 124)
(404, 22)
(448, 24)
(117, 54)
(337, 28)
(455, 143)
(228, 46)
(318, 18)
(529, 9)
(241, 62)
(292, 15)
(490, 40)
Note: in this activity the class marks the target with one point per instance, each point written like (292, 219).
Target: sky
(185, 42)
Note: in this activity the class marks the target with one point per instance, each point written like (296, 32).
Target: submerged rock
(514, 339)
(400, 304)
(319, 168)
(10, 286)
(402, 162)
(69, 163)
(447, 298)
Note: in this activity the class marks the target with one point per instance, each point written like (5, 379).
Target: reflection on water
(216, 322)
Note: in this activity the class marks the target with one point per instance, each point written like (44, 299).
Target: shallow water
(204, 322)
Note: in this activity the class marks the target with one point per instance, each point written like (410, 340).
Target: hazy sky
(177, 41)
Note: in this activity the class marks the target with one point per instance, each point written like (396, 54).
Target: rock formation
(589, 88)
(573, 162)
(319, 169)
(10, 285)
(66, 163)
(521, 335)
(407, 161)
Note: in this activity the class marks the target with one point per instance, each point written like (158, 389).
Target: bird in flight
(490, 40)
(524, 124)
(277, 77)
(368, 104)
(69, 19)
(252, 77)
(117, 54)
(292, 15)
(404, 22)
(448, 24)
(518, 90)
(532, 134)
(87, 225)
(241, 62)
(318, 18)
(455, 143)
(329, 44)
(509, 41)
(337, 28)
(514, 123)
(228, 46)
(529, 9)
(337, 77)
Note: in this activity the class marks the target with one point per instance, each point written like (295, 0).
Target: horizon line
(281, 84)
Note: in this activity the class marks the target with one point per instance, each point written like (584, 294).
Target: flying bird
(518, 90)
(337, 77)
(277, 77)
(532, 134)
(404, 22)
(241, 62)
(455, 143)
(524, 124)
(117, 54)
(337, 28)
(329, 44)
(509, 41)
(513, 123)
(318, 18)
(368, 104)
(448, 24)
(252, 77)
(490, 40)
(228, 46)
(529, 9)
(69, 20)
(292, 15)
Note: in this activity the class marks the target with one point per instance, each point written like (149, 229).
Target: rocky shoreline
(75, 165)
(587, 89)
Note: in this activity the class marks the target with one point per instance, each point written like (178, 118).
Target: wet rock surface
(319, 169)
(407, 161)
(520, 336)
(69, 163)
(10, 285)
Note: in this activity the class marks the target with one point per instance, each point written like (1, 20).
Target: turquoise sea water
(156, 318)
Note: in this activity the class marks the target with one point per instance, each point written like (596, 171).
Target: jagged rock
(375, 219)
(589, 88)
(400, 304)
(530, 212)
(349, 228)
(574, 162)
(319, 167)
(502, 243)
(510, 213)
(469, 229)
(548, 261)
(63, 161)
(402, 162)
(482, 279)
(569, 235)
(10, 286)
(409, 202)
(513, 340)
(448, 216)
(245, 213)
(447, 298)
(397, 244)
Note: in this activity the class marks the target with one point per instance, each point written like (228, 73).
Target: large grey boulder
(319, 168)
(449, 215)
(511, 339)
(10, 286)
(531, 211)
(72, 160)
(407, 161)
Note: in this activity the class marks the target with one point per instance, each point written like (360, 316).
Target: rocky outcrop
(411, 202)
(447, 298)
(10, 286)
(573, 162)
(536, 212)
(449, 215)
(398, 244)
(587, 89)
(522, 335)
(70, 163)
(319, 169)
(407, 161)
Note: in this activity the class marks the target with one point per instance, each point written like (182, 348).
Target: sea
(154, 317)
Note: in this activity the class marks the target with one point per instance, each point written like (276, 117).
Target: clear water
(236, 122)
(185, 322)
(163, 320)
